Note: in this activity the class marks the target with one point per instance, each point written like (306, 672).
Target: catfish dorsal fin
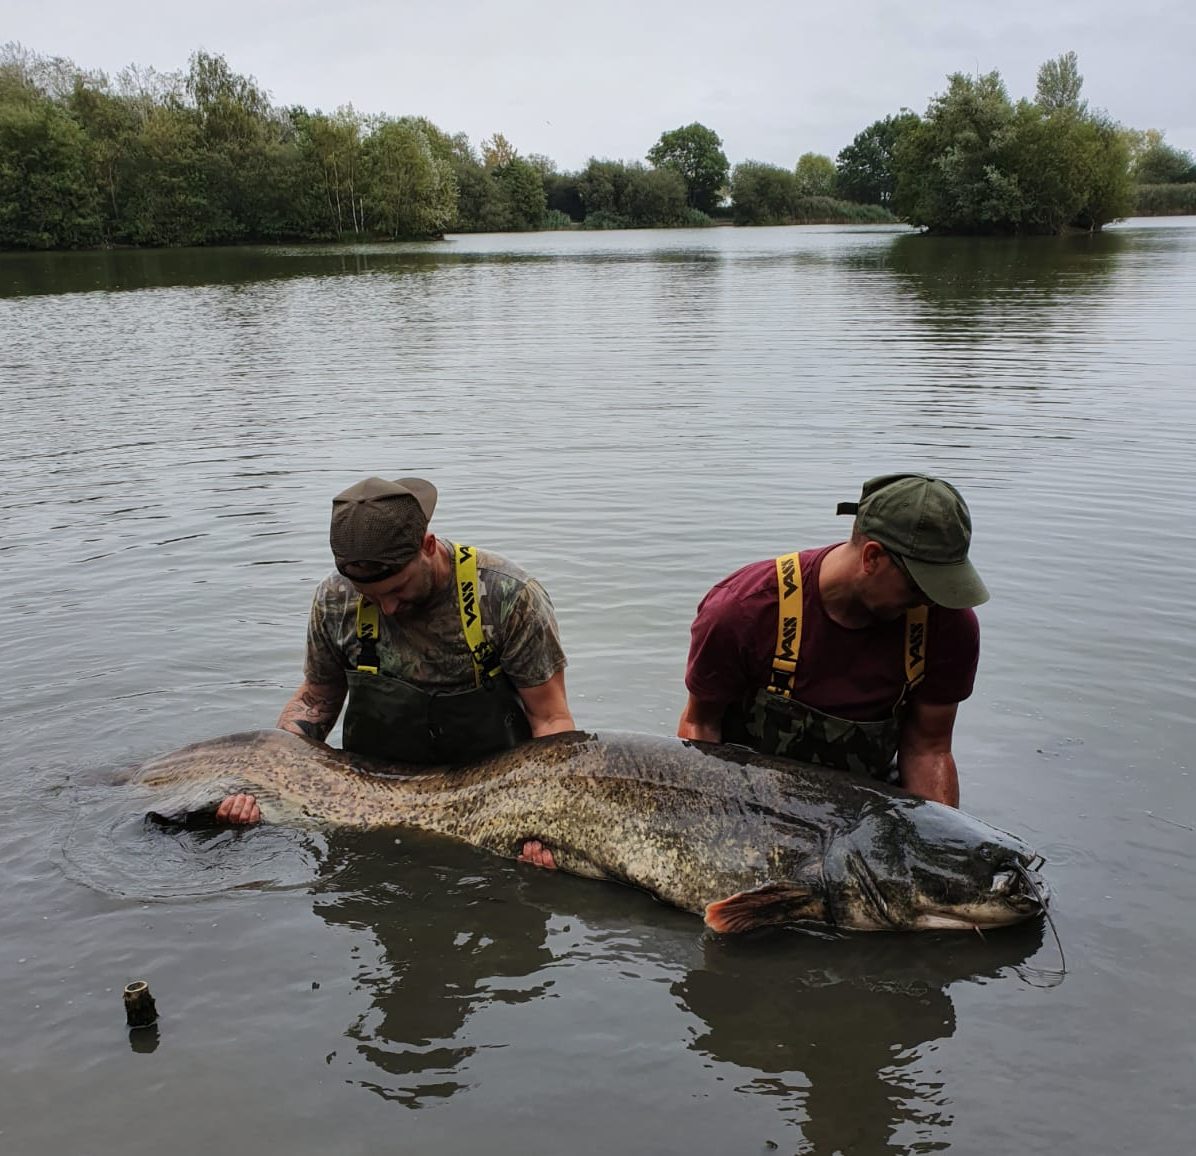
(763, 906)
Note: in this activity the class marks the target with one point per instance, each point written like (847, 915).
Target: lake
(629, 416)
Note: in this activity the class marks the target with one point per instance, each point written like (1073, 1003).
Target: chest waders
(775, 723)
(392, 719)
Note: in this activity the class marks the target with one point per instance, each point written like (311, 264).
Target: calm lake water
(630, 416)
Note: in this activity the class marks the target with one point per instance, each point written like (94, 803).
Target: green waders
(775, 723)
(388, 718)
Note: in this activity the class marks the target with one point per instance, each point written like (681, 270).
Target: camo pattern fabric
(780, 726)
(429, 650)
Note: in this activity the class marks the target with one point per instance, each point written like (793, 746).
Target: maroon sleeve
(952, 654)
(730, 639)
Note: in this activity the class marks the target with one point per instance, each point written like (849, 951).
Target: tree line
(203, 157)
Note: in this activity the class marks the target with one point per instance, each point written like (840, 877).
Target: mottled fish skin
(717, 830)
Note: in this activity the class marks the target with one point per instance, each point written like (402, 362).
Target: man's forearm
(312, 710)
(931, 775)
(546, 707)
(701, 721)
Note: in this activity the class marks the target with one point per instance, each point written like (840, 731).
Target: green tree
(815, 175)
(230, 107)
(865, 167)
(522, 191)
(1155, 162)
(409, 193)
(48, 197)
(167, 201)
(1059, 84)
(763, 194)
(948, 168)
(602, 188)
(1109, 195)
(334, 145)
(654, 198)
(497, 151)
(109, 123)
(976, 163)
(696, 152)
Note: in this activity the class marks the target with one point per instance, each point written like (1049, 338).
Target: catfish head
(905, 865)
(914, 865)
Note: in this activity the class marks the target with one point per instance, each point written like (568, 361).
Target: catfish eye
(986, 853)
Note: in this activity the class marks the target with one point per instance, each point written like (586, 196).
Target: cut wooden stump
(140, 1009)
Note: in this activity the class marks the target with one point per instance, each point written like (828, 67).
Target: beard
(421, 595)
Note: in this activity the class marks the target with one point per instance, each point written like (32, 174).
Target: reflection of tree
(847, 1018)
(970, 275)
(448, 920)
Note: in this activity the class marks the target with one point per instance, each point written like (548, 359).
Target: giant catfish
(739, 838)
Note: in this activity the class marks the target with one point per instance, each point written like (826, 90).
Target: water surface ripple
(630, 416)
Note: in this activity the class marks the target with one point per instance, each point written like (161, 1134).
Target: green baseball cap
(924, 521)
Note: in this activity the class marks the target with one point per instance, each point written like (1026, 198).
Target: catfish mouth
(1017, 893)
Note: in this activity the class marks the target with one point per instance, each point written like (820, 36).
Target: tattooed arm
(313, 709)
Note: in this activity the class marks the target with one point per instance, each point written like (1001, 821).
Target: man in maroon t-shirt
(855, 655)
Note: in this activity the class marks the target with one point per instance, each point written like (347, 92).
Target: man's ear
(871, 556)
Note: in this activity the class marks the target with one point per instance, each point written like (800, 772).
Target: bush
(605, 219)
(1165, 200)
(829, 210)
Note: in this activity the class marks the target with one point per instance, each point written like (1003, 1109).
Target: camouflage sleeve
(528, 637)
(324, 660)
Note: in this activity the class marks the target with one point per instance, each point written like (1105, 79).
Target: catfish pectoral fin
(763, 906)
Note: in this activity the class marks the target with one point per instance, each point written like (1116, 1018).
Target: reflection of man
(452, 941)
(446, 652)
(850, 655)
(839, 1027)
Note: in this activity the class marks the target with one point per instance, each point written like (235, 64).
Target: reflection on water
(969, 277)
(839, 1031)
(452, 933)
(630, 416)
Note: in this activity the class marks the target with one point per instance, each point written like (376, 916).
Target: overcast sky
(773, 79)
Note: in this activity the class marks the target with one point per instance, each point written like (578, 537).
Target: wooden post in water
(140, 1009)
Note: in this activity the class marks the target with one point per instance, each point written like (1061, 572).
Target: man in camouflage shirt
(855, 655)
(391, 630)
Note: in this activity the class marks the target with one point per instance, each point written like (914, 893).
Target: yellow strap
(367, 632)
(789, 612)
(789, 619)
(485, 661)
(915, 646)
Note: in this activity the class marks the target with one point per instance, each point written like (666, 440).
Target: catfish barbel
(742, 839)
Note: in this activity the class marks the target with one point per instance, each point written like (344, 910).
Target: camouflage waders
(774, 723)
(389, 718)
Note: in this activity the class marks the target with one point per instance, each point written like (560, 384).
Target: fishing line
(1028, 879)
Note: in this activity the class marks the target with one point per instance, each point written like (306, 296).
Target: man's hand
(536, 853)
(239, 810)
